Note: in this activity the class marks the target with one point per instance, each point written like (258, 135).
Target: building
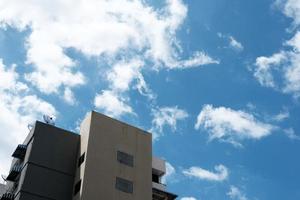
(109, 160)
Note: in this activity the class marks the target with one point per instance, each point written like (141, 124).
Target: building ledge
(162, 195)
(7, 196)
(14, 173)
(159, 186)
(20, 151)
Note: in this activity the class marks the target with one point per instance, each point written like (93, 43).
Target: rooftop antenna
(49, 119)
(30, 126)
(3, 177)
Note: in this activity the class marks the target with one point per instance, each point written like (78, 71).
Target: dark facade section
(44, 165)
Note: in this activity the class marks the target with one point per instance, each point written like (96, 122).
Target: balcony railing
(14, 173)
(162, 195)
(159, 186)
(7, 196)
(20, 151)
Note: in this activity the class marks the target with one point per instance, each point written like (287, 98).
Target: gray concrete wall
(49, 164)
(105, 136)
(54, 148)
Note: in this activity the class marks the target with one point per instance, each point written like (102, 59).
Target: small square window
(155, 178)
(125, 158)
(81, 159)
(124, 185)
(77, 187)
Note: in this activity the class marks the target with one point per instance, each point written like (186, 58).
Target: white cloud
(18, 109)
(112, 104)
(230, 125)
(291, 8)
(198, 59)
(166, 116)
(235, 194)
(123, 73)
(265, 66)
(281, 116)
(188, 198)
(233, 43)
(170, 172)
(290, 132)
(123, 76)
(95, 28)
(69, 96)
(285, 65)
(281, 70)
(221, 173)
(236, 45)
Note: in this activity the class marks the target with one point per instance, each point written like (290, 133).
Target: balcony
(158, 166)
(162, 195)
(20, 151)
(14, 173)
(7, 196)
(159, 186)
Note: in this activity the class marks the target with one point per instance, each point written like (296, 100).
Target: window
(81, 159)
(124, 185)
(125, 158)
(155, 178)
(77, 187)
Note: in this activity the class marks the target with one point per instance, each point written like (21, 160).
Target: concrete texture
(101, 138)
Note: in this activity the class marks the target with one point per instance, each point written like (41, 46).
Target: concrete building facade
(109, 160)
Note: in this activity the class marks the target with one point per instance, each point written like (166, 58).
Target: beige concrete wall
(84, 139)
(101, 141)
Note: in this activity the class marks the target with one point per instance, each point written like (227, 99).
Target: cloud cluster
(231, 125)
(170, 172)
(121, 77)
(95, 28)
(281, 70)
(221, 173)
(18, 108)
(166, 117)
(112, 104)
(235, 194)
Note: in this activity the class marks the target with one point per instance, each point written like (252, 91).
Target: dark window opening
(77, 187)
(155, 178)
(124, 185)
(81, 159)
(125, 158)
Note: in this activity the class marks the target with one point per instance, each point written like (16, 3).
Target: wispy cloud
(263, 70)
(233, 43)
(95, 28)
(19, 107)
(290, 8)
(166, 117)
(170, 173)
(236, 194)
(112, 104)
(230, 125)
(283, 115)
(221, 173)
(290, 132)
(69, 96)
(188, 198)
(281, 71)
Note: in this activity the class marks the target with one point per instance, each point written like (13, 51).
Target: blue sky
(217, 82)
